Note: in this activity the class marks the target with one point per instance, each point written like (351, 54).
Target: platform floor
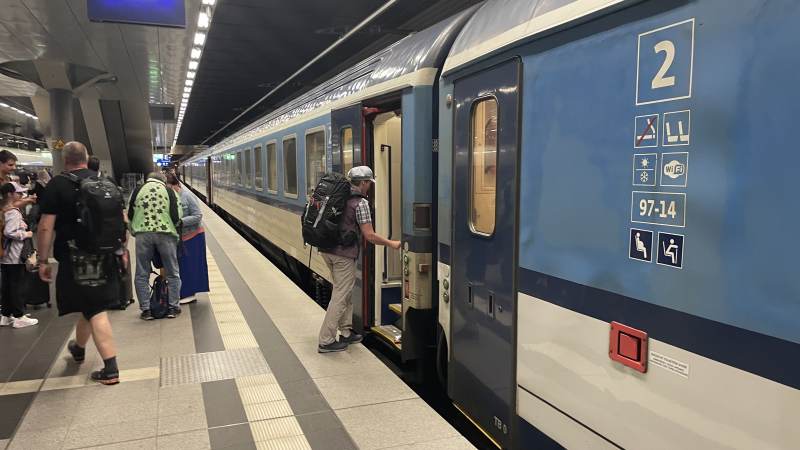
(238, 369)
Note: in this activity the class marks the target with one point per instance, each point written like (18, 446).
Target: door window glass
(239, 169)
(290, 167)
(248, 165)
(347, 149)
(257, 160)
(272, 167)
(315, 159)
(483, 156)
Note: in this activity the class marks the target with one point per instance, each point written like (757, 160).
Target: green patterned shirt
(151, 209)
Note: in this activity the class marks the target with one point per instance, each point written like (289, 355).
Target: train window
(257, 160)
(483, 156)
(290, 167)
(347, 149)
(315, 159)
(239, 169)
(248, 168)
(272, 168)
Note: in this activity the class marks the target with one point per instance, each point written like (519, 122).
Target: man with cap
(341, 260)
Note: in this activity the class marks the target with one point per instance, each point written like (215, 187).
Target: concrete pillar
(62, 124)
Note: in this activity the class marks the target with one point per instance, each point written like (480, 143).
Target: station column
(62, 123)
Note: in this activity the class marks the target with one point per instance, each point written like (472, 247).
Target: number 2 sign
(664, 63)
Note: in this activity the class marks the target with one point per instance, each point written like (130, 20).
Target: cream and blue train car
(617, 223)
(379, 113)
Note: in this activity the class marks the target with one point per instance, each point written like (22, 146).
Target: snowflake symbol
(644, 177)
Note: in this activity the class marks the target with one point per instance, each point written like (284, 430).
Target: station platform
(239, 369)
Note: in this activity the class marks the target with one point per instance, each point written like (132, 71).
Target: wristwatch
(43, 261)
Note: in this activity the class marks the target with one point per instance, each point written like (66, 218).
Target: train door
(384, 139)
(347, 133)
(485, 136)
(209, 168)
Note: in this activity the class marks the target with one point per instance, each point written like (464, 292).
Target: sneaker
(336, 346)
(352, 338)
(146, 315)
(6, 321)
(173, 313)
(103, 377)
(24, 321)
(187, 300)
(78, 354)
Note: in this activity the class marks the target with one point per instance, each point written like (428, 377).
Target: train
(576, 286)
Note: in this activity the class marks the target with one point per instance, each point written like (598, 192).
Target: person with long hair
(192, 255)
(12, 265)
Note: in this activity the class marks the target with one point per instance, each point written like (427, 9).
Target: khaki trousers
(339, 315)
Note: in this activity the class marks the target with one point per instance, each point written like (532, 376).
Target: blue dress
(192, 256)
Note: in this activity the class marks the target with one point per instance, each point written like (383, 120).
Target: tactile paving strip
(212, 366)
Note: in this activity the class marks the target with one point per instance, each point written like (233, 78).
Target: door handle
(469, 294)
(491, 305)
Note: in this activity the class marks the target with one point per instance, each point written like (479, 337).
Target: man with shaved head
(90, 299)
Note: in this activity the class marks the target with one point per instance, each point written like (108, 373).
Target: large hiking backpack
(98, 209)
(324, 210)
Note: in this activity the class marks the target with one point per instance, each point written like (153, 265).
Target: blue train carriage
(379, 113)
(616, 244)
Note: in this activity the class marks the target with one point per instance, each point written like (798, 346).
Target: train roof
(500, 24)
(425, 49)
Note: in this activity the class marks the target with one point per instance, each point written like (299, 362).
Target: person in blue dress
(192, 255)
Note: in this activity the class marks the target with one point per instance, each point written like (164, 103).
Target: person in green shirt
(154, 214)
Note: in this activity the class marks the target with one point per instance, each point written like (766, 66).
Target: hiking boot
(6, 321)
(78, 353)
(353, 338)
(335, 346)
(103, 377)
(24, 321)
(173, 313)
(146, 315)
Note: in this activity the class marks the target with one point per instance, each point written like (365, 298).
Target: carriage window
(347, 149)
(483, 155)
(315, 159)
(248, 166)
(259, 180)
(272, 168)
(239, 169)
(290, 167)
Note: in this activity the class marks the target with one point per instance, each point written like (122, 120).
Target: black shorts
(89, 301)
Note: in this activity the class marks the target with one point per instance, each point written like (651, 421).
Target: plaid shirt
(362, 212)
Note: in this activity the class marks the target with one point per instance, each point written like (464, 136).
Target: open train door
(347, 143)
(481, 376)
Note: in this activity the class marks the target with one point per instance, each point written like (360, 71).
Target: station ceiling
(254, 45)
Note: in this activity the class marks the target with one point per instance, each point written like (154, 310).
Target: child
(12, 265)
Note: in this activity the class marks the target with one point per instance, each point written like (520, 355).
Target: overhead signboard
(164, 13)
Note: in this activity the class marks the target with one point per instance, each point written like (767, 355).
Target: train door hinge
(435, 145)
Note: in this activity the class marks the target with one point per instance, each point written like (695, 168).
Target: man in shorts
(59, 215)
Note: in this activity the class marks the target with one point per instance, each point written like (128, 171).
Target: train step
(391, 334)
(396, 308)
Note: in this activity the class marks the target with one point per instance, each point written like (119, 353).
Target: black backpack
(98, 210)
(324, 211)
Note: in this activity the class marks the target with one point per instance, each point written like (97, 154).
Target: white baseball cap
(361, 173)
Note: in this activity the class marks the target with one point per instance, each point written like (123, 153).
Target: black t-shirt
(59, 198)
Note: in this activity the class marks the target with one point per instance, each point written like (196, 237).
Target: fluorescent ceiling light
(187, 89)
(189, 82)
(190, 74)
(209, 2)
(203, 20)
(196, 53)
(199, 38)
(4, 105)
(193, 65)
(186, 95)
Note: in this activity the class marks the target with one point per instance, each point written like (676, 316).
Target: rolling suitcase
(35, 291)
(125, 281)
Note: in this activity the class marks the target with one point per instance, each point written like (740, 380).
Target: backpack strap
(132, 202)
(174, 214)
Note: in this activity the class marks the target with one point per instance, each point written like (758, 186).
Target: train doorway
(481, 376)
